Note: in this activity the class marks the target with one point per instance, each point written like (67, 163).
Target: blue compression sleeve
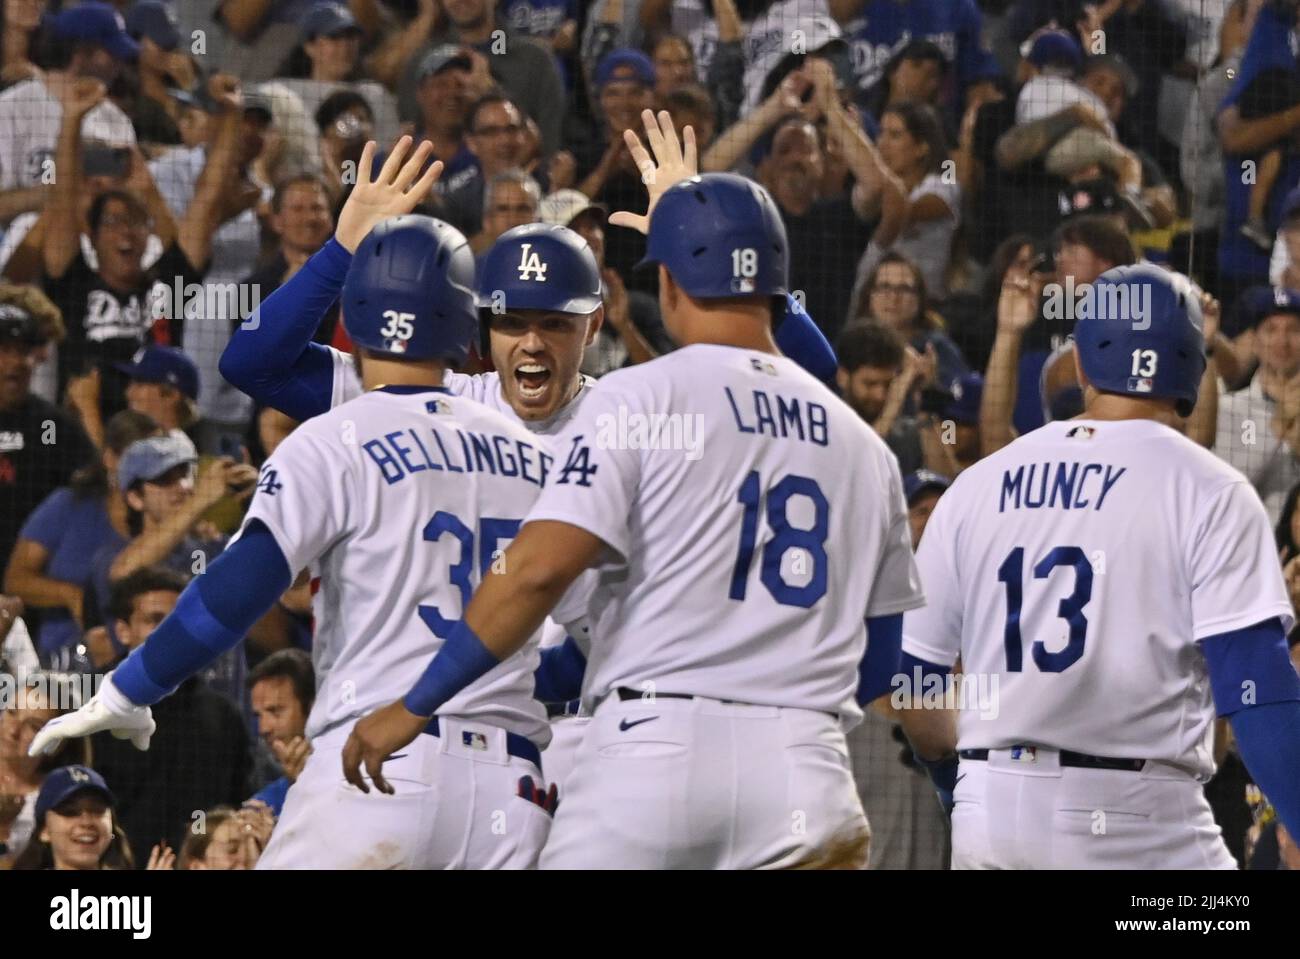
(799, 338)
(462, 659)
(271, 356)
(558, 679)
(1268, 738)
(1250, 667)
(214, 613)
(1255, 685)
(942, 772)
(880, 662)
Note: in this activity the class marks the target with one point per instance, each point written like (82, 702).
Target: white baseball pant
(456, 806)
(671, 783)
(1034, 813)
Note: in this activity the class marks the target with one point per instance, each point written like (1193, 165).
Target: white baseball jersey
(398, 502)
(30, 117)
(483, 388)
(753, 521)
(1077, 568)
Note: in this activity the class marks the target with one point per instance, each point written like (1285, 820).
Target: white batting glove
(108, 709)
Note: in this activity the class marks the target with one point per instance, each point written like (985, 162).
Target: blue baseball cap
(152, 19)
(1260, 302)
(163, 364)
(967, 391)
(923, 481)
(442, 58)
(1055, 47)
(64, 783)
(328, 20)
(98, 23)
(625, 64)
(1291, 204)
(148, 459)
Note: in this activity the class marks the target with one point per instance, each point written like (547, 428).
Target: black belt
(572, 708)
(625, 694)
(1078, 760)
(521, 747)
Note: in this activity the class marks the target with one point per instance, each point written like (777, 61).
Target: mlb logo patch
(742, 284)
(474, 740)
(762, 366)
(437, 406)
(1081, 433)
(1140, 384)
(396, 346)
(1024, 754)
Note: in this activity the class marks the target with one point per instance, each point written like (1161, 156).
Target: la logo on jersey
(531, 266)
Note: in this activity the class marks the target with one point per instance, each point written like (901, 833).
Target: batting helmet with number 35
(409, 293)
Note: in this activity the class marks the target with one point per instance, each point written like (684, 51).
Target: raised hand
(394, 192)
(80, 95)
(1018, 302)
(673, 162)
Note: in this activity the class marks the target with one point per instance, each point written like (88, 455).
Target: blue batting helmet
(540, 267)
(1139, 333)
(410, 291)
(720, 235)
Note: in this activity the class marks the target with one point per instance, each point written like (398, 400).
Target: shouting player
(1120, 584)
(540, 306)
(743, 523)
(396, 501)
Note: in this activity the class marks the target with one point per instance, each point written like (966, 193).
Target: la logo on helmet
(531, 266)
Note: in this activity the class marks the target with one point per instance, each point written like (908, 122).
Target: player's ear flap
(594, 322)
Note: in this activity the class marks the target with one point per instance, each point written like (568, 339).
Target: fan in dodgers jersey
(394, 502)
(540, 306)
(728, 643)
(1120, 584)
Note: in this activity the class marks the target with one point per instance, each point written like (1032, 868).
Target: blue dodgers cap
(328, 20)
(1260, 302)
(164, 364)
(914, 484)
(148, 459)
(443, 57)
(94, 22)
(1055, 47)
(64, 783)
(1291, 204)
(967, 391)
(625, 64)
(152, 19)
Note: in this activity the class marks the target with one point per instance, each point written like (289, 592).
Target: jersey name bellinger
(403, 452)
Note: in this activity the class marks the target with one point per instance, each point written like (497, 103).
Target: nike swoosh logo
(396, 756)
(625, 725)
(958, 779)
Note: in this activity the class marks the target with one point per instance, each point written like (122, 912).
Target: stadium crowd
(951, 174)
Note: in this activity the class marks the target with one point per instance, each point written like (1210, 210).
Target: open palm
(393, 192)
(673, 162)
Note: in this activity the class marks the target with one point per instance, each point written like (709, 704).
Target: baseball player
(540, 306)
(734, 573)
(396, 501)
(1114, 585)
